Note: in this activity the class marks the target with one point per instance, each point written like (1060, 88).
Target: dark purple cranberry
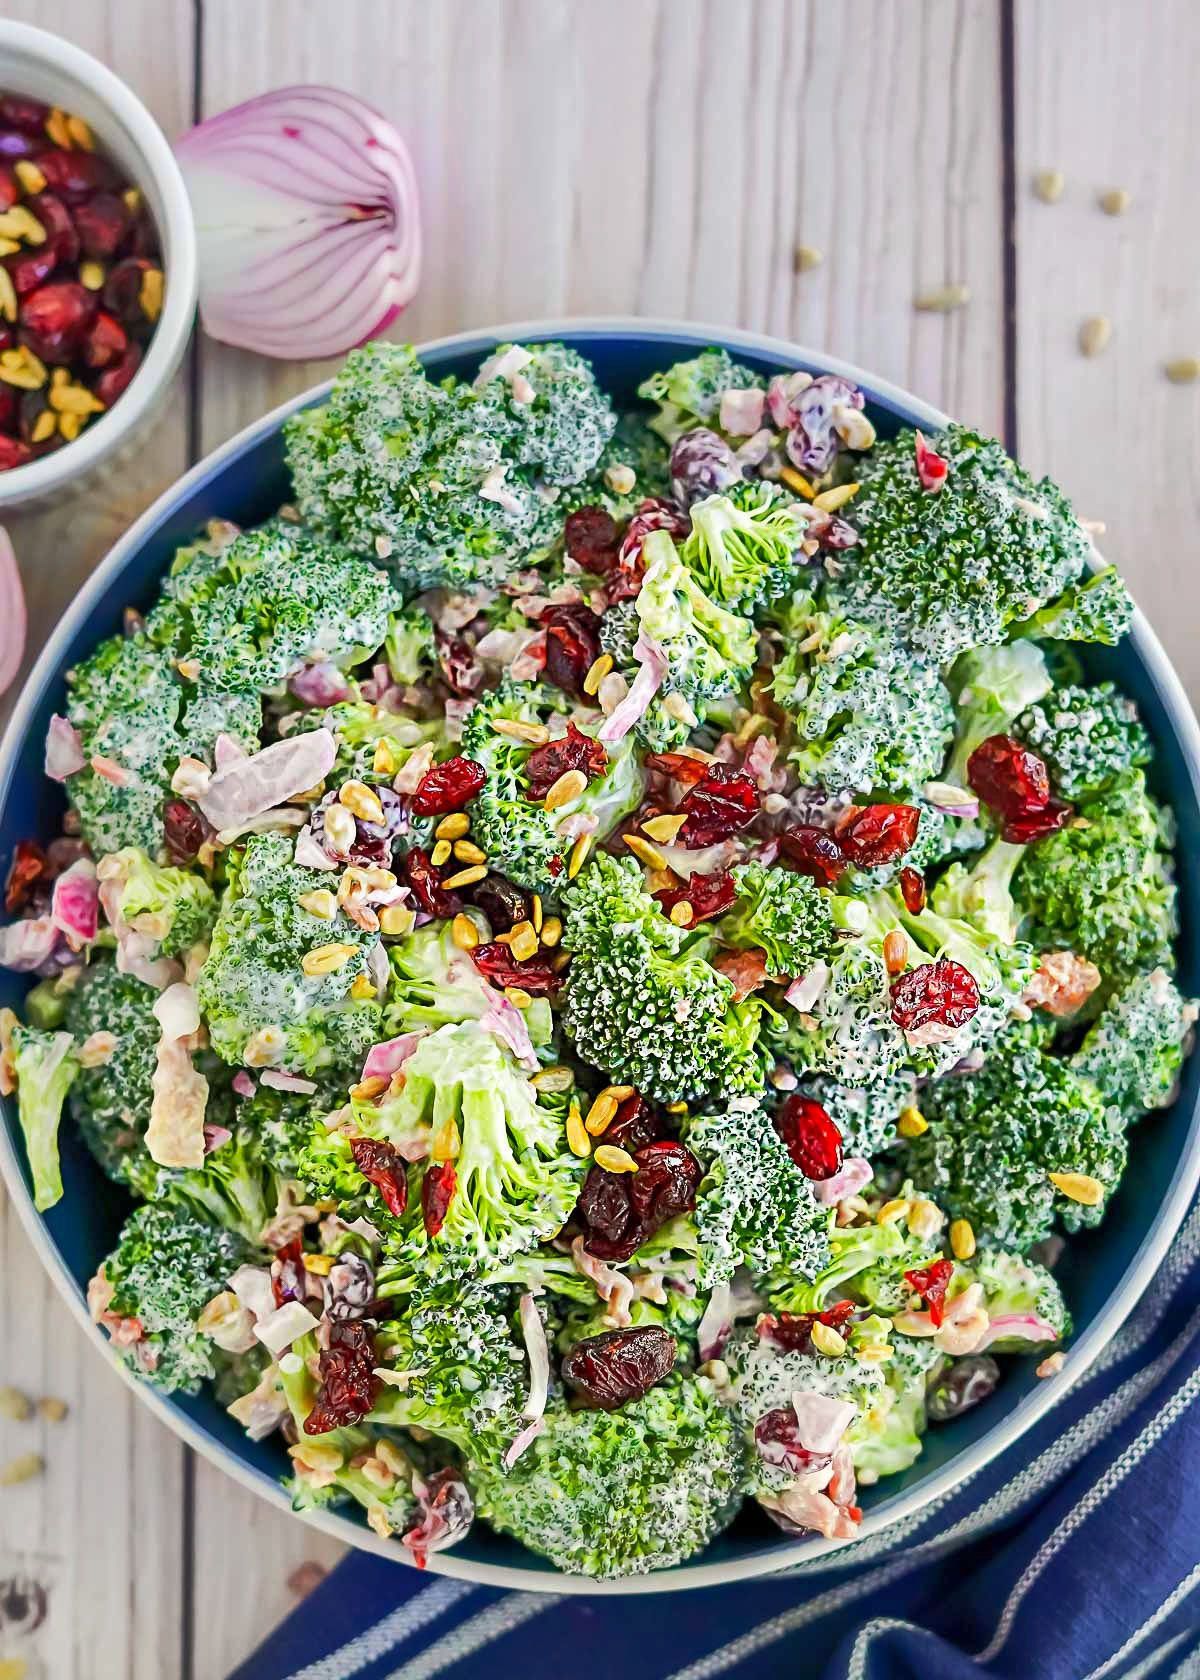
(503, 904)
(968, 1381)
(607, 1371)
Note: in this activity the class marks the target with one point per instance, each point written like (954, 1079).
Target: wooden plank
(102, 1527)
(649, 157)
(1123, 441)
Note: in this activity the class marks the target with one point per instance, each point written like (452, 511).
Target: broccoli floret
(743, 545)
(754, 1206)
(643, 1002)
(1135, 1050)
(434, 983)
(1099, 610)
(360, 728)
(44, 1065)
(524, 840)
(995, 1137)
(235, 1188)
(1102, 887)
(110, 1102)
(689, 393)
(166, 1267)
(125, 701)
(899, 1414)
(283, 1121)
(622, 1493)
(953, 568)
(515, 1180)
(983, 894)
(867, 1263)
(466, 1372)
(786, 916)
(253, 979)
(440, 481)
(563, 427)
(1087, 736)
(633, 448)
(991, 686)
(1015, 1288)
(411, 646)
(177, 907)
(708, 651)
(865, 712)
(865, 1115)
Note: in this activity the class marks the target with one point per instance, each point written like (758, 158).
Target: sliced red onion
(804, 992)
(820, 1421)
(243, 1083)
(855, 1174)
(446, 1514)
(742, 411)
(215, 1137)
(227, 751)
(64, 750)
(12, 613)
(524, 1441)
(310, 855)
(278, 1080)
(309, 228)
(534, 1332)
(383, 1060)
(494, 489)
(241, 791)
(506, 1022)
(320, 685)
(503, 365)
(716, 1323)
(613, 1287)
(652, 671)
(75, 906)
(1027, 1326)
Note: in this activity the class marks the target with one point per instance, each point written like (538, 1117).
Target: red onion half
(308, 224)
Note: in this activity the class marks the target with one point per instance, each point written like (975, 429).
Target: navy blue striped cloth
(1076, 1556)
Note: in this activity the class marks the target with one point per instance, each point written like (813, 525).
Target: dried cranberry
(813, 852)
(932, 469)
(27, 869)
(777, 1442)
(940, 994)
(497, 964)
(654, 514)
(459, 664)
(965, 1384)
(29, 115)
(792, 1332)
(142, 238)
(55, 318)
(636, 1125)
(448, 787)
(665, 1183)
(912, 889)
(60, 229)
(1011, 779)
(680, 767)
(123, 290)
(76, 174)
(1035, 825)
(873, 834)
(810, 1136)
(382, 1165)
(707, 895)
(114, 380)
(288, 1278)
(348, 1384)
(104, 343)
(426, 883)
(931, 1284)
(502, 903)
(32, 268)
(702, 464)
(572, 646)
(102, 223)
(590, 538)
(573, 751)
(13, 453)
(611, 1228)
(184, 831)
(722, 803)
(437, 1192)
(609, 1370)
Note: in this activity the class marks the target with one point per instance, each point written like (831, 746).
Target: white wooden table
(657, 157)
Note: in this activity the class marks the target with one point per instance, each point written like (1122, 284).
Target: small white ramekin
(44, 66)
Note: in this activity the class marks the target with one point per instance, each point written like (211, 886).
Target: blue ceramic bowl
(1103, 1272)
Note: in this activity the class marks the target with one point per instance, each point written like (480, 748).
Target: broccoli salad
(608, 950)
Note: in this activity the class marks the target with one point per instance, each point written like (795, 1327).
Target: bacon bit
(1062, 984)
(746, 969)
(29, 865)
(111, 770)
(931, 1283)
(932, 469)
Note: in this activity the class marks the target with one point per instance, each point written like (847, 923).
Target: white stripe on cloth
(856, 1668)
(500, 1618)
(1148, 1664)
(1063, 1454)
(1166, 1609)
(377, 1641)
(1099, 1491)
(1189, 1668)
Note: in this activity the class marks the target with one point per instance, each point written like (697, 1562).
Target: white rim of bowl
(771, 1559)
(174, 325)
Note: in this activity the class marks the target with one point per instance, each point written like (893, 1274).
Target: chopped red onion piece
(820, 1421)
(278, 1080)
(652, 670)
(716, 1323)
(804, 992)
(1029, 1327)
(854, 1175)
(242, 790)
(64, 750)
(383, 1060)
(505, 1021)
(320, 685)
(75, 906)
